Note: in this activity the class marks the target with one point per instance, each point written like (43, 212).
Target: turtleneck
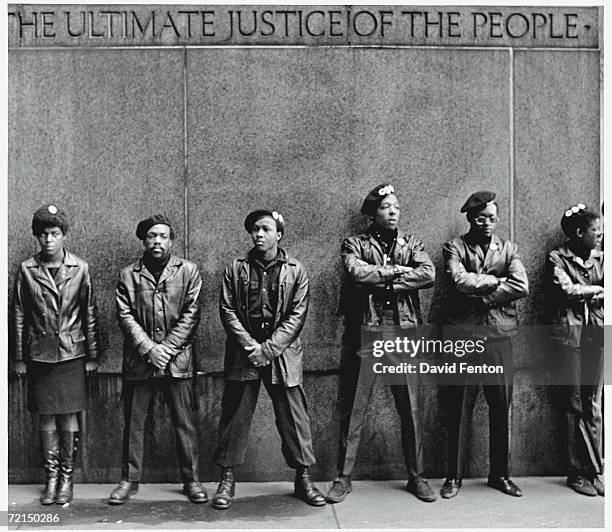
(385, 235)
(156, 267)
(579, 250)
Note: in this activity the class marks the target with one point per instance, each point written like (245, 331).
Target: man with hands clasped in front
(263, 306)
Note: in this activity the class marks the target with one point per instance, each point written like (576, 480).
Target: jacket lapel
(243, 286)
(143, 273)
(492, 252)
(170, 269)
(67, 269)
(476, 254)
(377, 252)
(42, 275)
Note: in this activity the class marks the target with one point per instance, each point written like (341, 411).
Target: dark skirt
(57, 388)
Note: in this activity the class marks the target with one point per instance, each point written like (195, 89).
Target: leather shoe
(450, 488)
(306, 490)
(195, 491)
(505, 485)
(421, 489)
(340, 488)
(598, 485)
(124, 491)
(222, 499)
(583, 486)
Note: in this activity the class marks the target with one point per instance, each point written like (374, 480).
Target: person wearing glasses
(385, 270)
(575, 275)
(486, 276)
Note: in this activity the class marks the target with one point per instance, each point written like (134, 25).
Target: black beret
(478, 200)
(252, 217)
(145, 225)
(49, 216)
(373, 199)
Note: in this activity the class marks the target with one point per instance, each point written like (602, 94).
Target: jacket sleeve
(470, 283)
(89, 315)
(291, 326)
(128, 324)
(423, 273)
(180, 335)
(516, 284)
(228, 313)
(18, 317)
(561, 280)
(359, 270)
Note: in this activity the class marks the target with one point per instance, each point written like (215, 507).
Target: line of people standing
(263, 307)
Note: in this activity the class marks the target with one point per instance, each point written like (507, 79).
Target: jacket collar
(495, 246)
(282, 257)
(368, 234)
(595, 256)
(174, 263)
(43, 276)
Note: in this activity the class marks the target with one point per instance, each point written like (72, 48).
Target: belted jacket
(165, 312)
(54, 319)
(573, 283)
(367, 272)
(284, 347)
(484, 288)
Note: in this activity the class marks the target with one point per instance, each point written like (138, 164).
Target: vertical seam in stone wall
(511, 138)
(601, 103)
(185, 190)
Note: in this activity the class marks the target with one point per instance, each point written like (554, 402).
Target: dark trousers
(356, 391)
(138, 395)
(583, 367)
(460, 400)
(290, 410)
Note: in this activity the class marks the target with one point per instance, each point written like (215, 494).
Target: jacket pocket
(290, 363)
(504, 318)
(181, 363)
(77, 337)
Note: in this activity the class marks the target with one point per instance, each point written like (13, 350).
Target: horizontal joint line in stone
(304, 46)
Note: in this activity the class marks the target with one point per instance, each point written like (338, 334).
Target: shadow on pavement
(265, 508)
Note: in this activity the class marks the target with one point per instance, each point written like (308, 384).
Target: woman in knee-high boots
(55, 328)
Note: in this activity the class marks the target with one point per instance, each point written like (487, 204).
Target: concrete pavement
(546, 502)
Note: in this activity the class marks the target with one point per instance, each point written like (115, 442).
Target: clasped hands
(257, 358)
(160, 355)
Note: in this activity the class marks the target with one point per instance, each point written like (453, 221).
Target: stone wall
(114, 128)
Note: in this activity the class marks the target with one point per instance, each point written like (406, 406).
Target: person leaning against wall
(55, 328)
(385, 270)
(486, 276)
(158, 312)
(575, 274)
(263, 308)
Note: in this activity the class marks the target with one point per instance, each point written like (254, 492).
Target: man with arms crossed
(385, 270)
(486, 277)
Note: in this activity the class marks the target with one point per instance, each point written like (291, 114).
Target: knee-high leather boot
(50, 447)
(68, 449)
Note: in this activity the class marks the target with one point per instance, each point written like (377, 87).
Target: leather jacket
(573, 283)
(166, 312)
(477, 295)
(363, 259)
(284, 347)
(54, 320)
